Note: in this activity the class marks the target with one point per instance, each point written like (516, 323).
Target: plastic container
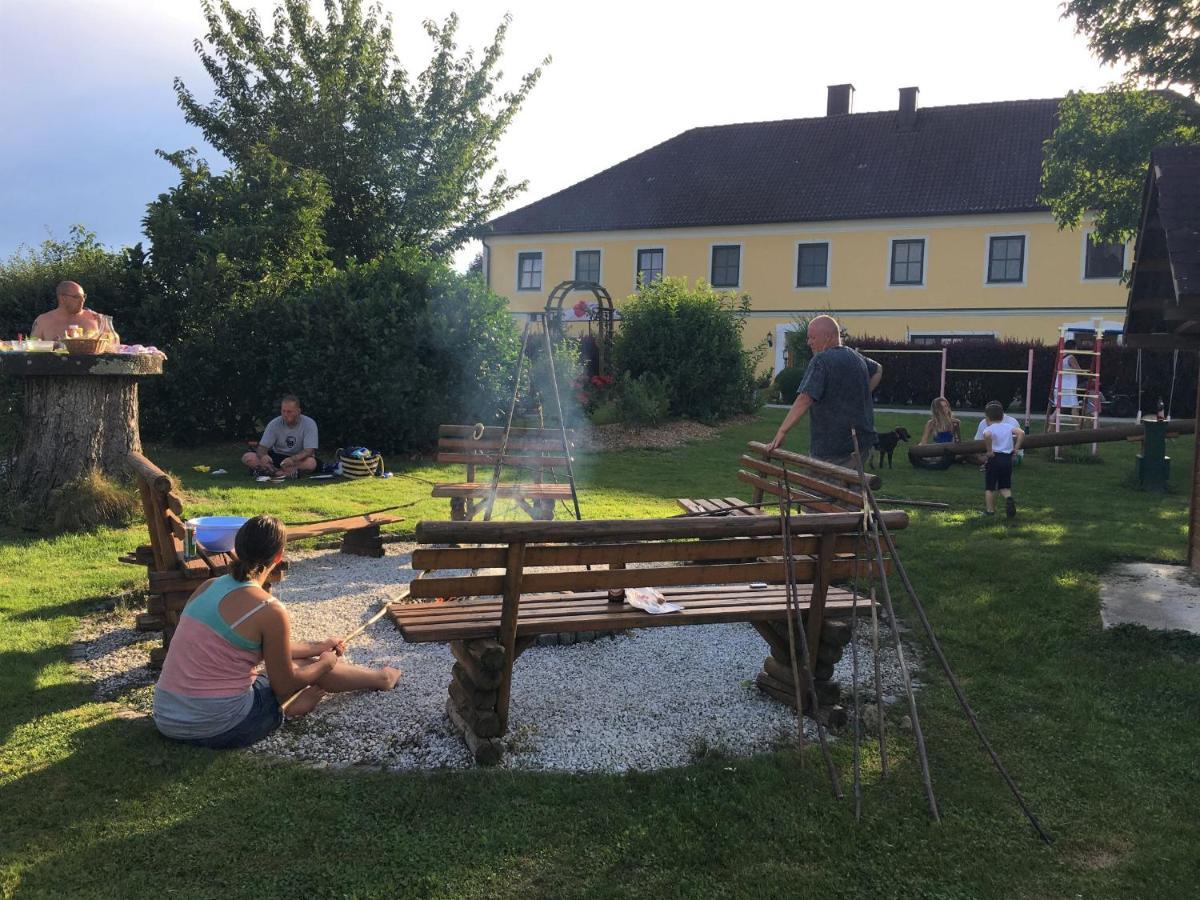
(35, 346)
(216, 533)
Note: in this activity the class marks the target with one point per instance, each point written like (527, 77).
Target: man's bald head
(70, 296)
(823, 333)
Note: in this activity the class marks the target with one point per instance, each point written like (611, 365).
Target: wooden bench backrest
(811, 482)
(536, 447)
(733, 550)
(163, 510)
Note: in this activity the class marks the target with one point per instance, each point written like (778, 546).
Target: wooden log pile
(775, 680)
(471, 706)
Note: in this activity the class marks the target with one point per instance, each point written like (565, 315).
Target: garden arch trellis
(602, 316)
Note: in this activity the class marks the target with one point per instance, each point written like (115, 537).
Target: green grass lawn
(1101, 729)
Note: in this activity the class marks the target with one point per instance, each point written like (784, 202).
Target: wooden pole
(885, 592)
(1050, 439)
(568, 530)
(347, 639)
(1193, 552)
(880, 528)
(806, 661)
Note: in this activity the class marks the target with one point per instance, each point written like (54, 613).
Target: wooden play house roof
(1164, 298)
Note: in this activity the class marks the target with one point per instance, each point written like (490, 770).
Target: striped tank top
(205, 685)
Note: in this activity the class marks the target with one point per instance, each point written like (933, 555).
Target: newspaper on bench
(650, 600)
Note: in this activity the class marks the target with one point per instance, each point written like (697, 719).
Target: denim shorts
(264, 717)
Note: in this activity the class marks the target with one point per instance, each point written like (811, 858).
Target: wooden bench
(173, 577)
(498, 614)
(810, 484)
(537, 451)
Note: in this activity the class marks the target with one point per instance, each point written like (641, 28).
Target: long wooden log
(471, 670)
(828, 470)
(566, 530)
(490, 654)
(1051, 439)
(154, 477)
(487, 751)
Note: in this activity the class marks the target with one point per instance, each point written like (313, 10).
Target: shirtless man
(52, 326)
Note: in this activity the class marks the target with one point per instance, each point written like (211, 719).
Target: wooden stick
(945, 664)
(918, 735)
(347, 639)
(1051, 439)
(794, 601)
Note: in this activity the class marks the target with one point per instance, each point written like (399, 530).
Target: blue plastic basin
(216, 533)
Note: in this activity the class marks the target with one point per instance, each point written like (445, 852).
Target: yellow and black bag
(359, 462)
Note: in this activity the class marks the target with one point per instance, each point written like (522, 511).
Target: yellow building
(910, 224)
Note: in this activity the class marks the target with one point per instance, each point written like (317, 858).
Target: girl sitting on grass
(942, 427)
(209, 693)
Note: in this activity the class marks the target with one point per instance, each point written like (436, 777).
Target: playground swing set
(1075, 402)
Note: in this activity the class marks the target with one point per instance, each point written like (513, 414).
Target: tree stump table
(81, 414)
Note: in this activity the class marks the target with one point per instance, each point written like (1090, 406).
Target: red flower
(581, 309)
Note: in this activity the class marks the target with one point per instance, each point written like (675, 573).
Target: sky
(86, 85)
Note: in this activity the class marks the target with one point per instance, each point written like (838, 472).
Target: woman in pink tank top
(210, 692)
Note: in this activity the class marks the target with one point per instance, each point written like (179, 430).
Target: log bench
(810, 483)
(173, 577)
(498, 613)
(536, 451)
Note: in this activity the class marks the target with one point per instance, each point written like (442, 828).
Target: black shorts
(997, 473)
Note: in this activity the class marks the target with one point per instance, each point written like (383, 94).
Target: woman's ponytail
(257, 543)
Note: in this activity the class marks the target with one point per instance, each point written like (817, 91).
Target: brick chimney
(907, 120)
(840, 99)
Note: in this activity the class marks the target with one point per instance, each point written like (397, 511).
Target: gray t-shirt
(838, 379)
(288, 440)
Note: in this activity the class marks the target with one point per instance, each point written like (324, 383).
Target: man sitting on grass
(288, 446)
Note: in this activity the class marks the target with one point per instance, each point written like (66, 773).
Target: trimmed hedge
(912, 379)
(379, 354)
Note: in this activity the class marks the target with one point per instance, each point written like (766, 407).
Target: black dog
(887, 445)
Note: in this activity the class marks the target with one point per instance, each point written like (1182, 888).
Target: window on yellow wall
(649, 265)
(529, 271)
(812, 265)
(1104, 260)
(587, 265)
(1006, 259)
(908, 261)
(726, 267)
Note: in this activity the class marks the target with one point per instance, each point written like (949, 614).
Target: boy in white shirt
(1001, 441)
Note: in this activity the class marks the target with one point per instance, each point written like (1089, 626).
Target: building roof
(1164, 295)
(971, 159)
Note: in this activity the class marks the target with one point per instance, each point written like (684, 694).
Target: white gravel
(644, 700)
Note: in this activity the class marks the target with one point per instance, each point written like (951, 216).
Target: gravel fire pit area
(610, 705)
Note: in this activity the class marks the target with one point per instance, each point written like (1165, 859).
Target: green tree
(405, 159)
(1097, 156)
(1156, 39)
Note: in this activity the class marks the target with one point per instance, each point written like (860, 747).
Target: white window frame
(575, 262)
(1083, 279)
(887, 276)
(637, 251)
(712, 249)
(987, 259)
(541, 286)
(808, 288)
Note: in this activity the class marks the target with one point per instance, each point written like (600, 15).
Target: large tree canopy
(1097, 156)
(406, 161)
(1159, 40)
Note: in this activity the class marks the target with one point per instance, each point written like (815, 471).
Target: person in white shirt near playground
(1001, 441)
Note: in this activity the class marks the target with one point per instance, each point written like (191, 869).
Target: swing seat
(536, 452)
